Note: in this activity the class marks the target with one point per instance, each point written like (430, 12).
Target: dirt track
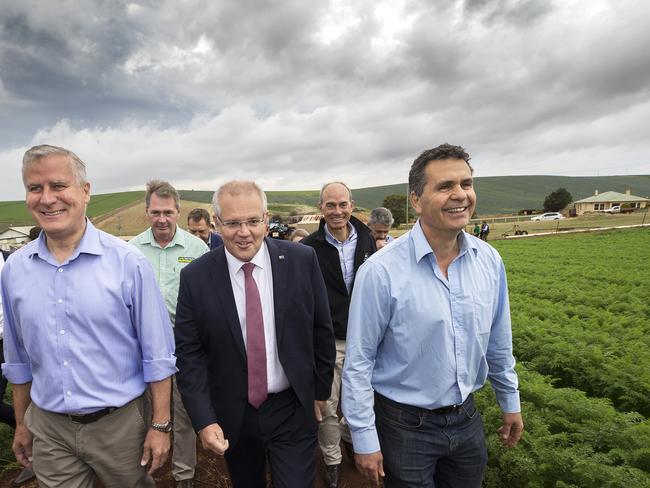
(211, 471)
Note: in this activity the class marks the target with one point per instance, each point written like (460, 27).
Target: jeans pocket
(470, 410)
(406, 418)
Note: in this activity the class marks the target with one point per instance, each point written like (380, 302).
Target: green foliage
(397, 206)
(570, 440)
(580, 312)
(557, 200)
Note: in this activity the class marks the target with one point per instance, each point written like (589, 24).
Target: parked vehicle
(548, 216)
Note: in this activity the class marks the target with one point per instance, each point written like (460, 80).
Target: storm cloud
(295, 93)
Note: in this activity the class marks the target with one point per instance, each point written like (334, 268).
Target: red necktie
(255, 346)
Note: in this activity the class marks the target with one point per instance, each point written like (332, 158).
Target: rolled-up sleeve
(16, 368)
(152, 324)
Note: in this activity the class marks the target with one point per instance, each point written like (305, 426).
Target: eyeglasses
(237, 224)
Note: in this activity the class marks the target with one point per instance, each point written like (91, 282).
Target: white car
(548, 216)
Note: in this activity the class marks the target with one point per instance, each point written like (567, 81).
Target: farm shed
(14, 237)
(603, 201)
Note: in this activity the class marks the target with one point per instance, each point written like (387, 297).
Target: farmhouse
(14, 237)
(603, 201)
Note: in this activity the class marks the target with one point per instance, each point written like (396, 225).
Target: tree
(397, 206)
(557, 200)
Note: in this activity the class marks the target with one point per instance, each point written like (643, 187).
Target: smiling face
(448, 199)
(56, 200)
(244, 240)
(336, 207)
(162, 215)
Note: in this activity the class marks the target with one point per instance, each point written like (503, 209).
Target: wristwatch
(165, 427)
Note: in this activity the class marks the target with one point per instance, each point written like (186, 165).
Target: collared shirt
(346, 253)
(276, 378)
(89, 332)
(422, 339)
(167, 262)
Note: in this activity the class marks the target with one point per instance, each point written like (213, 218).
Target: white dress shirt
(275, 377)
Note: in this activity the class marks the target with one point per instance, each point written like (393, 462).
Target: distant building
(13, 237)
(604, 201)
(309, 222)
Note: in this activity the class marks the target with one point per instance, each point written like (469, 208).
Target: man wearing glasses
(342, 243)
(168, 248)
(255, 346)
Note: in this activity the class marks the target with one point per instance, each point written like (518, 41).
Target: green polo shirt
(167, 262)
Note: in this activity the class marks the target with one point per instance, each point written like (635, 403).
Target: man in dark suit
(199, 224)
(255, 346)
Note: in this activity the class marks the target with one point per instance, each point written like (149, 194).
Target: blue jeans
(426, 449)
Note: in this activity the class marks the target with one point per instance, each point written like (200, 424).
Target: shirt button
(60, 270)
(59, 300)
(69, 393)
(62, 331)
(65, 363)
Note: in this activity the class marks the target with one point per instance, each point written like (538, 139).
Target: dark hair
(417, 177)
(198, 214)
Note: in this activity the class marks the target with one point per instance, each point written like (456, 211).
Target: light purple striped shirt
(90, 332)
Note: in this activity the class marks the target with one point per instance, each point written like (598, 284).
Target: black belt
(91, 417)
(436, 411)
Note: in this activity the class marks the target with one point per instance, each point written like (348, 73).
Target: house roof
(20, 229)
(612, 196)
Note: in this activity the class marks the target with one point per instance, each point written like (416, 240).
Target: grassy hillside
(15, 213)
(496, 195)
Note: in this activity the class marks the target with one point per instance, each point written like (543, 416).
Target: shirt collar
(89, 244)
(422, 247)
(331, 238)
(235, 264)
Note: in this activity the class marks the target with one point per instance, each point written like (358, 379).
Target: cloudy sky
(294, 93)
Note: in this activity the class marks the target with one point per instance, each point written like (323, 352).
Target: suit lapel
(279, 270)
(223, 287)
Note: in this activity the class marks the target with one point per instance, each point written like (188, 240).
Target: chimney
(628, 191)
(596, 193)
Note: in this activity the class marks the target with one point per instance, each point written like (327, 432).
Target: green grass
(16, 214)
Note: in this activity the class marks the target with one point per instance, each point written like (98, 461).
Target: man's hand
(380, 243)
(370, 465)
(511, 429)
(156, 448)
(212, 438)
(22, 445)
(319, 409)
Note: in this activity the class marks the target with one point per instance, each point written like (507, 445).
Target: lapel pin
(281, 256)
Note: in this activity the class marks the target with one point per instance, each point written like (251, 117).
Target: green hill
(16, 213)
(496, 195)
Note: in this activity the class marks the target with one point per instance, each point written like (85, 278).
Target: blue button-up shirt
(90, 332)
(346, 253)
(425, 340)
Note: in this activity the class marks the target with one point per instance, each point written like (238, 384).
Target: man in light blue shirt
(429, 323)
(86, 331)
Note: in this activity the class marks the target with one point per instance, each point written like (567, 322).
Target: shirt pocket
(483, 310)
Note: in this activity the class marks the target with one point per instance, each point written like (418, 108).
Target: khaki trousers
(71, 455)
(184, 448)
(331, 430)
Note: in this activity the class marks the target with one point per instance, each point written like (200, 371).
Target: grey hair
(320, 197)
(77, 166)
(381, 216)
(235, 188)
(162, 189)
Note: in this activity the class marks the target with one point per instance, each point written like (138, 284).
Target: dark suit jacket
(215, 240)
(212, 377)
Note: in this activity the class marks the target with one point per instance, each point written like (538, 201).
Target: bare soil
(211, 471)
